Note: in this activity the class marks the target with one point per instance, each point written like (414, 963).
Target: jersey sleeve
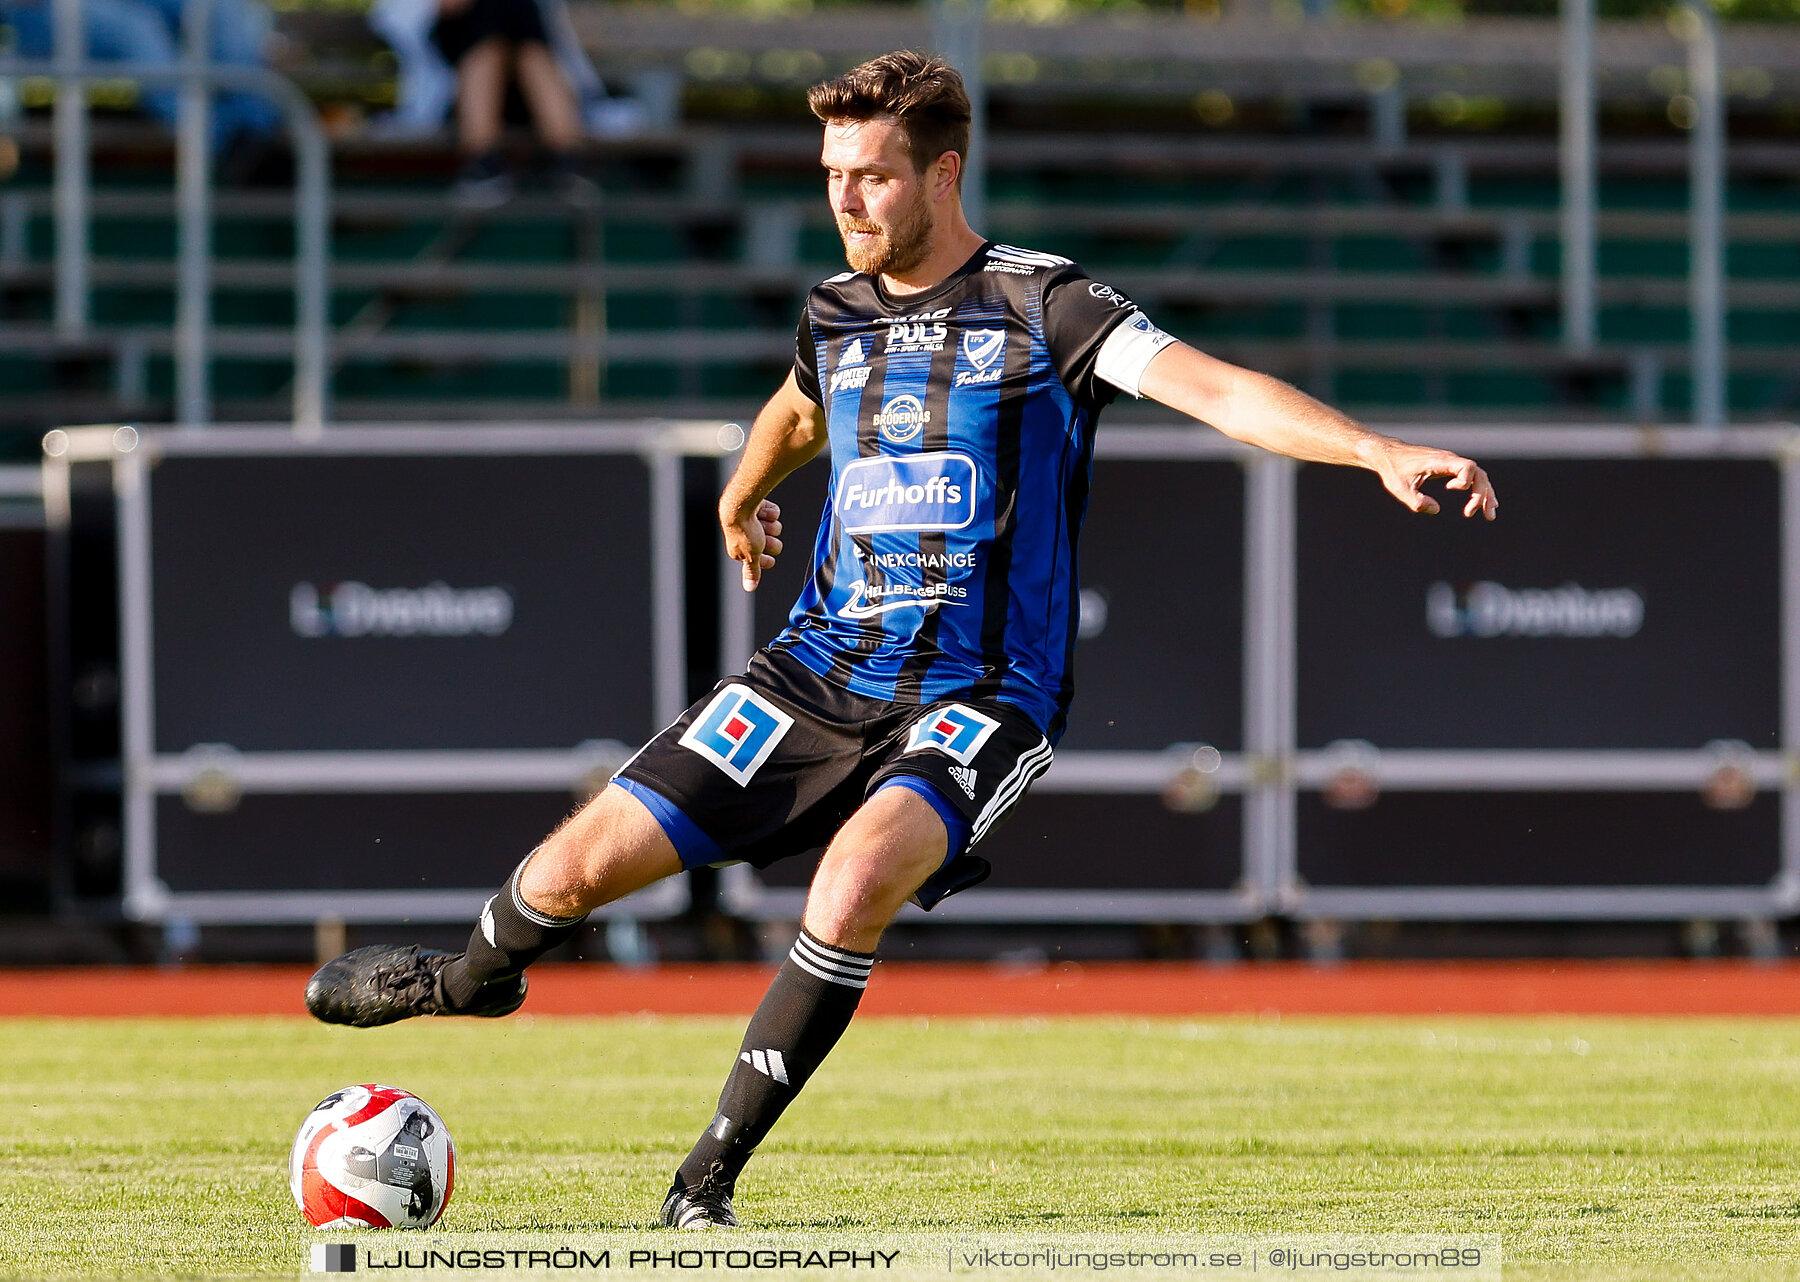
(806, 358)
(1099, 339)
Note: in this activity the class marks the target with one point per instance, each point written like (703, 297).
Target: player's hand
(1404, 469)
(754, 541)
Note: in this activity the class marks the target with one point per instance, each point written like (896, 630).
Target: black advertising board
(1620, 603)
(350, 842)
(401, 602)
(1076, 842)
(1559, 839)
(25, 745)
(1160, 659)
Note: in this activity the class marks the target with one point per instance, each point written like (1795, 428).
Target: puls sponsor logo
(920, 337)
(931, 491)
(435, 610)
(920, 332)
(1490, 609)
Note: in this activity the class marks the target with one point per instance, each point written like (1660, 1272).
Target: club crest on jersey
(902, 418)
(737, 731)
(982, 348)
(957, 731)
(930, 491)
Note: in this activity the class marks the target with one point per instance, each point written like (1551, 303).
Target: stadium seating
(1410, 280)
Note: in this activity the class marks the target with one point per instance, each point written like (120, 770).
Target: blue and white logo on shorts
(956, 731)
(737, 731)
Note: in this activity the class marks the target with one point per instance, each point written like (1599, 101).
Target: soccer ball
(372, 1157)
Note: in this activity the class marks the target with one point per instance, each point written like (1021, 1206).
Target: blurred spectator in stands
(150, 31)
(484, 40)
(427, 84)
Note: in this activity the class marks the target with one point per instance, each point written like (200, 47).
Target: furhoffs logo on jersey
(737, 731)
(902, 418)
(931, 491)
(956, 731)
(983, 349)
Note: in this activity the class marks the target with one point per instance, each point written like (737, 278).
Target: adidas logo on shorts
(965, 779)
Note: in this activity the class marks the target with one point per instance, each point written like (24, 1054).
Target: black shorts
(517, 21)
(771, 764)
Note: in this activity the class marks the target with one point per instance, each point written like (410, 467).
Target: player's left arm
(1272, 415)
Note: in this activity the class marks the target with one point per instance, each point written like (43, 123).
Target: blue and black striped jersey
(961, 424)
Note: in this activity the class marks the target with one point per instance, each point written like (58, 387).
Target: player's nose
(844, 201)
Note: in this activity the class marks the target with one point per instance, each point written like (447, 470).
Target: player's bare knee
(843, 909)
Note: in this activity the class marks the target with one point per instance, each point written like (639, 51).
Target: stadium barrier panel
(1314, 706)
(1584, 711)
(25, 731)
(354, 668)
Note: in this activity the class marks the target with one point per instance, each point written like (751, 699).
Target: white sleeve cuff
(1127, 353)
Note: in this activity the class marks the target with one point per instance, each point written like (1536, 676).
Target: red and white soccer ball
(372, 1157)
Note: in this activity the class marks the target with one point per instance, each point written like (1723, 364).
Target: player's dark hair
(920, 91)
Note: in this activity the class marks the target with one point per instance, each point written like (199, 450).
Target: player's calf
(876, 861)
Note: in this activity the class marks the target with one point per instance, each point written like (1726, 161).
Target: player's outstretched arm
(1268, 413)
(789, 431)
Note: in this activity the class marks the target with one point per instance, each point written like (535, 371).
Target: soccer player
(925, 671)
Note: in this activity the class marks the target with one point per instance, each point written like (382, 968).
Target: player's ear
(947, 175)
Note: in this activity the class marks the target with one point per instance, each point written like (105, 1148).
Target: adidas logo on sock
(768, 1063)
(965, 779)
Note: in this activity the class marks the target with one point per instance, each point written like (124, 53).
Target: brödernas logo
(435, 610)
(1494, 610)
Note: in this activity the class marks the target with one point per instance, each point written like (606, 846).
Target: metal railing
(312, 212)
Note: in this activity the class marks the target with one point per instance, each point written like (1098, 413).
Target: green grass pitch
(1597, 1148)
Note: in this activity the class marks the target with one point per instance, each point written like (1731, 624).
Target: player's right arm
(788, 432)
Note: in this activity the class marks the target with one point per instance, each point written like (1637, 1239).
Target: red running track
(1067, 988)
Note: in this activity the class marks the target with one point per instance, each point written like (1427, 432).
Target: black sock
(508, 938)
(805, 1011)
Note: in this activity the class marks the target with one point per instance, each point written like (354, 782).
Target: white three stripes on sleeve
(1028, 257)
(828, 963)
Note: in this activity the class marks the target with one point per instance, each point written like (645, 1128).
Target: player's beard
(896, 249)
